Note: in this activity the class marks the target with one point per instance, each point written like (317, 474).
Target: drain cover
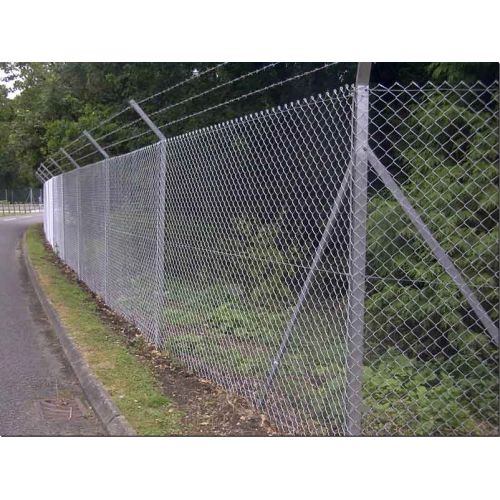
(61, 409)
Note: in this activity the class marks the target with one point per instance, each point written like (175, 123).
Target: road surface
(33, 367)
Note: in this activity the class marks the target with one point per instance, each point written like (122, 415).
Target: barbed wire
(217, 87)
(86, 145)
(239, 98)
(128, 139)
(73, 142)
(213, 68)
(109, 119)
(179, 103)
(126, 125)
(94, 152)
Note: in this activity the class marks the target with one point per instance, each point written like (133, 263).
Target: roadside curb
(106, 410)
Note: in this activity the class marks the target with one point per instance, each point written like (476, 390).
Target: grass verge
(16, 214)
(131, 384)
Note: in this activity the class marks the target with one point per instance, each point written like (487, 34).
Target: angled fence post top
(54, 162)
(46, 170)
(96, 144)
(147, 120)
(70, 158)
(363, 74)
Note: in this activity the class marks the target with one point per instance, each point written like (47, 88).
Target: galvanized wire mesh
(240, 249)
(431, 366)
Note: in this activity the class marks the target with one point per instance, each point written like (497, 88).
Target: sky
(8, 85)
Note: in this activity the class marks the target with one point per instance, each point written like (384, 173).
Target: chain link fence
(20, 201)
(335, 261)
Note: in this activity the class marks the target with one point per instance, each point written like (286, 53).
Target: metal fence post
(78, 223)
(63, 220)
(106, 230)
(106, 212)
(160, 244)
(160, 222)
(355, 330)
(148, 121)
(437, 250)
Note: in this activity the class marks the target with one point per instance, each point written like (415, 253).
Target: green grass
(12, 214)
(131, 384)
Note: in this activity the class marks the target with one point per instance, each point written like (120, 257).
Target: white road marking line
(13, 218)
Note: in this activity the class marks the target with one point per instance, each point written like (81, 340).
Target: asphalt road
(32, 364)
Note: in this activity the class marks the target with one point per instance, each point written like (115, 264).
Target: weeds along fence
(335, 261)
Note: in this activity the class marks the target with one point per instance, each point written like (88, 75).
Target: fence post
(437, 250)
(78, 223)
(160, 222)
(355, 330)
(160, 244)
(106, 213)
(148, 121)
(106, 230)
(63, 220)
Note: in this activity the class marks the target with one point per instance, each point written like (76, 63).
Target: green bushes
(403, 396)
(434, 369)
(451, 162)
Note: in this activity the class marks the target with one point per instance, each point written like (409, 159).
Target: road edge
(106, 410)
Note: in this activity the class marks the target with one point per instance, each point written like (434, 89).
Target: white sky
(8, 85)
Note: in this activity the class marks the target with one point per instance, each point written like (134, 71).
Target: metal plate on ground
(61, 409)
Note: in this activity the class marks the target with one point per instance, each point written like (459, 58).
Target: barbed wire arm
(39, 173)
(54, 162)
(95, 144)
(147, 120)
(70, 158)
(46, 170)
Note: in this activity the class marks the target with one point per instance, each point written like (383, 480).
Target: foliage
(55, 102)
(418, 304)
(265, 269)
(406, 397)
(434, 368)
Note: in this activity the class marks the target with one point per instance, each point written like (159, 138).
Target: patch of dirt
(209, 410)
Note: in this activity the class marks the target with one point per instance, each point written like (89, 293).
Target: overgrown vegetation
(422, 334)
